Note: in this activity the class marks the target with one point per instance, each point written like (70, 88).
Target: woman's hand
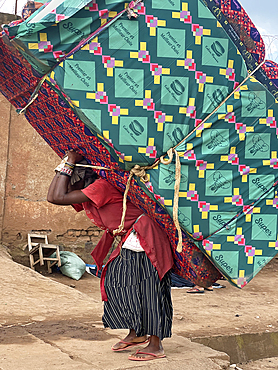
(74, 157)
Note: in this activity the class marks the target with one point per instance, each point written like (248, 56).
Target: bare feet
(153, 350)
(129, 341)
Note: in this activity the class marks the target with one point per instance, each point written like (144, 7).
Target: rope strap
(220, 105)
(34, 95)
(141, 173)
(94, 167)
(176, 200)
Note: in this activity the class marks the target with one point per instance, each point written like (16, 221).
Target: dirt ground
(223, 312)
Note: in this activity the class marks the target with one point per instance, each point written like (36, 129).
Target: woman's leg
(154, 349)
(123, 309)
(134, 291)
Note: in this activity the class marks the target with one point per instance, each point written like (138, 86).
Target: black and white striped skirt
(137, 299)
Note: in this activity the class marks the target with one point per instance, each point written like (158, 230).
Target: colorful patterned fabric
(62, 130)
(140, 87)
(271, 69)
(250, 36)
(244, 27)
(29, 8)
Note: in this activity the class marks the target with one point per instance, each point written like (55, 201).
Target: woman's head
(82, 176)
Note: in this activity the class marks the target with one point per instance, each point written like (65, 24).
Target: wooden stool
(40, 250)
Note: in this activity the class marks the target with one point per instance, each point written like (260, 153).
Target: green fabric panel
(143, 84)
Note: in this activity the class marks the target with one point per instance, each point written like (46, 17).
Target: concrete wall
(6, 18)
(26, 169)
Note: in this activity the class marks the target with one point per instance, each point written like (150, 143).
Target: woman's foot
(129, 341)
(196, 289)
(153, 351)
(209, 288)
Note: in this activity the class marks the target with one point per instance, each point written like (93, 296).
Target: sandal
(195, 290)
(148, 356)
(128, 345)
(210, 289)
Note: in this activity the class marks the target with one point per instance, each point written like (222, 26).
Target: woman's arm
(50, 194)
(60, 191)
(60, 194)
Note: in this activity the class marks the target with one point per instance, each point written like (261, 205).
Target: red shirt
(105, 206)
(105, 210)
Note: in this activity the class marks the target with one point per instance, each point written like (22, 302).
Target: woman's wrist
(70, 165)
(68, 169)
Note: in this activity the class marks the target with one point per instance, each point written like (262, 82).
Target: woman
(135, 282)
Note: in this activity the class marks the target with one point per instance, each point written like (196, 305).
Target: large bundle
(177, 89)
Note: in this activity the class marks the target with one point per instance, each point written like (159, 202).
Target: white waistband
(132, 242)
